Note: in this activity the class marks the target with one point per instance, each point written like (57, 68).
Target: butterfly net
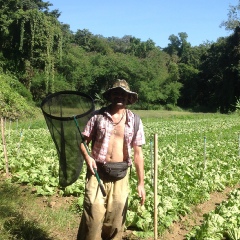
(66, 113)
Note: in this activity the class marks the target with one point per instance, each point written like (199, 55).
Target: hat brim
(132, 96)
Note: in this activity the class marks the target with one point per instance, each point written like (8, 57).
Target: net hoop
(65, 113)
(45, 100)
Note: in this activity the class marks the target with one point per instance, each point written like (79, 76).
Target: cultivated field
(198, 156)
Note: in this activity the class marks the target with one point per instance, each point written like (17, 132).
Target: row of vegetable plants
(221, 223)
(196, 156)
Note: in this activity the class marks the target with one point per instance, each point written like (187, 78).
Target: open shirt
(99, 129)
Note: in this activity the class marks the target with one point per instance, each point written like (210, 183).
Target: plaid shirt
(99, 129)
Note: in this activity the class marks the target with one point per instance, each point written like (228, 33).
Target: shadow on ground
(12, 223)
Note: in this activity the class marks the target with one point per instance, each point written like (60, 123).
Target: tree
(140, 49)
(30, 39)
(83, 38)
(75, 67)
(188, 75)
(233, 18)
(121, 45)
(219, 80)
(174, 46)
(179, 46)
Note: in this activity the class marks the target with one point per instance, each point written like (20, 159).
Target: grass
(163, 114)
(25, 216)
(160, 113)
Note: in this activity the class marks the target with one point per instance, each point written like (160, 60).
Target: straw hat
(121, 84)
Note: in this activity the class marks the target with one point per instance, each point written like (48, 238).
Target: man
(111, 133)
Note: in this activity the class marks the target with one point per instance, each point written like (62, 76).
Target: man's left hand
(141, 194)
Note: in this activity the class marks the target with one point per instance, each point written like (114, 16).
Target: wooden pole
(151, 151)
(205, 158)
(4, 147)
(239, 144)
(155, 186)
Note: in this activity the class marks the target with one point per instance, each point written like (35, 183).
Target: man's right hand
(91, 163)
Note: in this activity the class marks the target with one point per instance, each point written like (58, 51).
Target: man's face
(119, 97)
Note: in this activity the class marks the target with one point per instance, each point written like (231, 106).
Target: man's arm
(139, 164)
(88, 159)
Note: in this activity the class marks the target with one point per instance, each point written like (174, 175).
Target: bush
(12, 104)
(20, 88)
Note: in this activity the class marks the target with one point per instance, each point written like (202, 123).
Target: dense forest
(40, 55)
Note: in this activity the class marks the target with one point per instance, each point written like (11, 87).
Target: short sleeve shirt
(99, 129)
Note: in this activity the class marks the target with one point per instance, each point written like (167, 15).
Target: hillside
(15, 100)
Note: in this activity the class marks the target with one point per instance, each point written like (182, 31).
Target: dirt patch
(179, 229)
(56, 203)
(69, 231)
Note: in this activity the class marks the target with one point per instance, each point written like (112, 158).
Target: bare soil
(178, 229)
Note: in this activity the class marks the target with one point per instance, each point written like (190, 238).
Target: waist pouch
(113, 170)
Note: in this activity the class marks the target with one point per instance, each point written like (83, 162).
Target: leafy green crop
(195, 157)
(222, 223)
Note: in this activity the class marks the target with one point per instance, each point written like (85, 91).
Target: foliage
(17, 86)
(237, 106)
(222, 223)
(24, 215)
(46, 56)
(233, 18)
(76, 69)
(218, 80)
(12, 104)
(186, 173)
(30, 39)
